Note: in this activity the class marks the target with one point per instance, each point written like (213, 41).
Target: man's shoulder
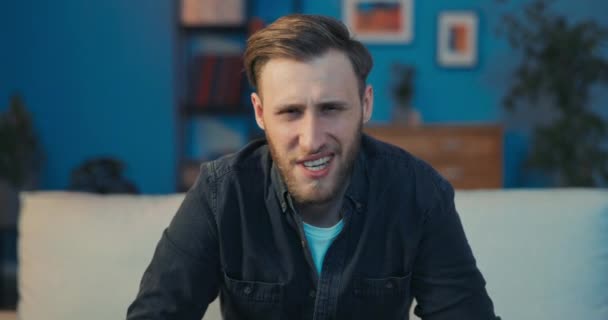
(379, 151)
(397, 167)
(384, 155)
(253, 158)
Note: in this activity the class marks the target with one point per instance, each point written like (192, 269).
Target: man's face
(312, 114)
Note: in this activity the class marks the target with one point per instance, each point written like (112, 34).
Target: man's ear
(256, 101)
(368, 103)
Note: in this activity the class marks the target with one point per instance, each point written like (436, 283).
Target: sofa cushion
(544, 253)
(82, 256)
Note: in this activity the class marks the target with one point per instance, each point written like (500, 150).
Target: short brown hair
(303, 37)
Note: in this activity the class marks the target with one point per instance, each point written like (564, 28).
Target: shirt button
(389, 285)
(312, 293)
(247, 290)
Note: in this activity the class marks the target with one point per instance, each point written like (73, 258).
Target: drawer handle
(452, 144)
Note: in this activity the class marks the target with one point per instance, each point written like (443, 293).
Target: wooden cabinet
(469, 156)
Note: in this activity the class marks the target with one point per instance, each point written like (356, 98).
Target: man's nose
(311, 134)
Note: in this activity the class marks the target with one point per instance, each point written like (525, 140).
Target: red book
(255, 24)
(219, 83)
(194, 78)
(206, 83)
(230, 80)
(227, 78)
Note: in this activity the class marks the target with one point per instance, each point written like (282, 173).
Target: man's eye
(331, 107)
(290, 112)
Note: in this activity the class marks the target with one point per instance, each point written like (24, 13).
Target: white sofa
(544, 253)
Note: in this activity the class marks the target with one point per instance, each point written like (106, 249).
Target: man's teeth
(318, 164)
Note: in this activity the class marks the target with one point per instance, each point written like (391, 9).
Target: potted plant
(20, 158)
(561, 62)
(403, 92)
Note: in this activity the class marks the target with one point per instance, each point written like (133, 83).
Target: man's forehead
(325, 76)
(330, 57)
(314, 93)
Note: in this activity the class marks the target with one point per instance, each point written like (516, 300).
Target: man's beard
(286, 169)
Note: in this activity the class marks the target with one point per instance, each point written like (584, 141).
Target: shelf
(194, 40)
(239, 28)
(215, 110)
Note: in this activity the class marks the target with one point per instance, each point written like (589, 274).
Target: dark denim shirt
(237, 235)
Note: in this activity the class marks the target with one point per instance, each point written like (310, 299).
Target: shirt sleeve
(446, 282)
(183, 276)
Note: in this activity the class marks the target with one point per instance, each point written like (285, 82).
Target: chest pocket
(382, 298)
(251, 299)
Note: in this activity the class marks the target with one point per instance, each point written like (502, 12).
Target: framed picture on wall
(380, 21)
(457, 39)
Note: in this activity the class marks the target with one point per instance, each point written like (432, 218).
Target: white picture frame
(457, 39)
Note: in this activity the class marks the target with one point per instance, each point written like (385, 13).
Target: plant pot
(409, 117)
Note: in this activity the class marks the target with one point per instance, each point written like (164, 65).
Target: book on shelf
(229, 92)
(203, 79)
(216, 80)
(212, 12)
(255, 24)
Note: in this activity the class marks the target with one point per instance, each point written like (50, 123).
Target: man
(317, 221)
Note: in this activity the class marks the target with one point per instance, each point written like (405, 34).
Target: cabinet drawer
(469, 157)
(431, 144)
(472, 175)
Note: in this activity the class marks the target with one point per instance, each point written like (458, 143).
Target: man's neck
(322, 215)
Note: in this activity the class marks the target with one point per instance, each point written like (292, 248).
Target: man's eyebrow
(289, 105)
(295, 105)
(332, 102)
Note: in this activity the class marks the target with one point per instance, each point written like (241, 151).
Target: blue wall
(98, 77)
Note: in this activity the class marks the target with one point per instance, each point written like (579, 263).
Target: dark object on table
(101, 175)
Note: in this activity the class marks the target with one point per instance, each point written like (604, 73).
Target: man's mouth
(317, 165)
